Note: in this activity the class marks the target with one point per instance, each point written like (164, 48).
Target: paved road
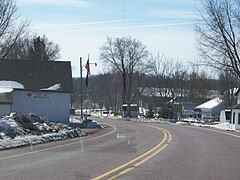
(83, 158)
(193, 153)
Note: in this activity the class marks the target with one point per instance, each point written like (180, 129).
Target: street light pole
(81, 89)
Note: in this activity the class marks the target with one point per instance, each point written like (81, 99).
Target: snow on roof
(53, 88)
(5, 90)
(11, 84)
(210, 104)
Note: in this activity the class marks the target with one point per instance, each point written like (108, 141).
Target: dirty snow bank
(86, 123)
(223, 126)
(20, 130)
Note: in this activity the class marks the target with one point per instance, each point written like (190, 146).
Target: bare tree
(130, 58)
(171, 76)
(42, 49)
(218, 34)
(11, 27)
(34, 48)
(163, 70)
(227, 84)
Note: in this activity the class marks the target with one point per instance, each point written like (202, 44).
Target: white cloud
(74, 25)
(173, 40)
(72, 3)
(175, 14)
(101, 26)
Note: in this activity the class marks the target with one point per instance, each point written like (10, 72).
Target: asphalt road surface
(192, 153)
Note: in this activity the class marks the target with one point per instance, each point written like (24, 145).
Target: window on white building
(239, 118)
(233, 118)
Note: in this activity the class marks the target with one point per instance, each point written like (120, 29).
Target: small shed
(134, 111)
(41, 87)
(209, 110)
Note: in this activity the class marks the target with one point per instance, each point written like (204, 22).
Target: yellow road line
(123, 169)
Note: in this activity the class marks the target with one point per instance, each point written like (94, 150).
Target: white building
(232, 114)
(41, 87)
(210, 110)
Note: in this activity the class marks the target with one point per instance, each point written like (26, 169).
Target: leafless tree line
(165, 80)
(175, 79)
(16, 41)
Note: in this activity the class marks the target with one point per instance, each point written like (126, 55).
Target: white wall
(236, 125)
(4, 109)
(51, 104)
(223, 116)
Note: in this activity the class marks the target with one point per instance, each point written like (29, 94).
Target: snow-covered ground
(189, 121)
(20, 130)
(223, 126)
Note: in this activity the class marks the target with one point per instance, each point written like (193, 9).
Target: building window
(228, 115)
(239, 118)
(233, 118)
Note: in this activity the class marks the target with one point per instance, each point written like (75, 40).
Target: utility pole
(81, 89)
(81, 84)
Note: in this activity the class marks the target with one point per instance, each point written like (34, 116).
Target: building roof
(237, 106)
(210, 104)
(188, 106)
(37, 75)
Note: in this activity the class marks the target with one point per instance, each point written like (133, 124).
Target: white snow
(7, 124)
(5, 90)
(223, 126)
(7, 143)
(53, 88)
(181, 123)
(210, 104)
(13, 132)
(189, 119)
(11, 84)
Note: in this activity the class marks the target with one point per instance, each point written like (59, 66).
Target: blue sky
(81, 27)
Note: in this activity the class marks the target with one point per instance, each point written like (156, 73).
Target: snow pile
(89, 123)
(181, 123)
(8, 124)
(223, 126)
(189, 119)
(11, 84)
(21, 130)
(86, 123)
(53, 88)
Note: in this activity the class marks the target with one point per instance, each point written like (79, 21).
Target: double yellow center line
(123, 169)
